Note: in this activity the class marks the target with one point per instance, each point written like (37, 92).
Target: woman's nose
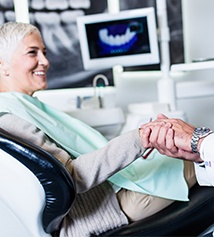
(43, 60)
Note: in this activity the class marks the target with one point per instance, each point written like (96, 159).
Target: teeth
(116, 40)
(71, 16)
(7, 3)
(51, 29)
(56, 4)
(80, 4)
(39, 73)
(47, 23)
(69, 19)
(9, 16)
(37, 4)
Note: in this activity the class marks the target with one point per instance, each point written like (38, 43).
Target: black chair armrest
(58, 184)
(179, 219)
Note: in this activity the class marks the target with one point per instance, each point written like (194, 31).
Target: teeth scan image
(122, 38)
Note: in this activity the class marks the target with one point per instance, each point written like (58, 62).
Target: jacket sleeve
(87, 170)
(205, 171)
(95, 167)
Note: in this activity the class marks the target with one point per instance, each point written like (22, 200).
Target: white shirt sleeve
(205, 171)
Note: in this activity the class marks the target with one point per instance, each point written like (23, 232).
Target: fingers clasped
(158, 134)
(170, 137)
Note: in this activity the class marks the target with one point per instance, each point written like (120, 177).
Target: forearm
(93, 168)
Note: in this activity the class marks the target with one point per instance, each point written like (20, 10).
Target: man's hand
(170, 137)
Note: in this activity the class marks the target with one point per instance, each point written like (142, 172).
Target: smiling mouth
(39, 73)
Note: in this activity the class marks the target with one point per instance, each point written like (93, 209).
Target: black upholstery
(57, 182)
(179, 219)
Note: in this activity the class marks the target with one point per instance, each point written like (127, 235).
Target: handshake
(173, 137)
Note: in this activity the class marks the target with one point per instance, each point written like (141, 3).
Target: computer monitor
(127, 38)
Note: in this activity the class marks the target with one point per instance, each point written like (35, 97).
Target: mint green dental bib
(158, 175)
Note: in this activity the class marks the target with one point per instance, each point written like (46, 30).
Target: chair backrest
(36, 170)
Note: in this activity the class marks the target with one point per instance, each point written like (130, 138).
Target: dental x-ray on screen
(127, 38)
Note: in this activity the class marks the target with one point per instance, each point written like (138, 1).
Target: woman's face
(28, 66)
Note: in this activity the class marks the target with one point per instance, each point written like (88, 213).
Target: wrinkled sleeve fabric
(99, 165)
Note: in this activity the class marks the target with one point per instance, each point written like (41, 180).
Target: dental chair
(36, 192)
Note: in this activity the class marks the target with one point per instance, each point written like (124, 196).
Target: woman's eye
(32, 52)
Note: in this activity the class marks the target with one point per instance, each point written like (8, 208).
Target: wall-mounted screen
(127, 38)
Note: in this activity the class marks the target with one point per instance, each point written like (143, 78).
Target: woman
(23, 67)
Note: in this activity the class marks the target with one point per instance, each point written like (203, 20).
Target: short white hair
(11, 34)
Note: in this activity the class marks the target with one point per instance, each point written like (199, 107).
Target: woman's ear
(3, 69)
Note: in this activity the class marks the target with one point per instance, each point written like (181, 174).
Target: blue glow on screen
(118, 38)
